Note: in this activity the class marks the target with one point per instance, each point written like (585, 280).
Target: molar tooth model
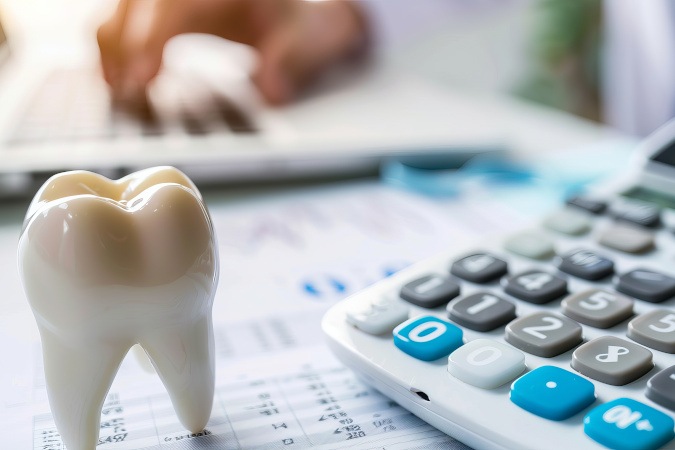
(109, 264)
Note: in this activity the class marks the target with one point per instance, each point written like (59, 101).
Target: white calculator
(561, 336)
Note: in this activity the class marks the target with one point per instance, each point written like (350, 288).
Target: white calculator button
(568, 221)
(530, 244)
(378, 316)
(486, 364)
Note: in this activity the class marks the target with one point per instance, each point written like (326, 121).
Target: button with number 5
(626, 424)
(427, 337)
(656, 329)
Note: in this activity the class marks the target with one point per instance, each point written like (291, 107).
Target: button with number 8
(427, 337)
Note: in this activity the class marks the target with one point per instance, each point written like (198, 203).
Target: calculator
(561, 336)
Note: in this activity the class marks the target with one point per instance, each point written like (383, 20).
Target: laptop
(204, 116)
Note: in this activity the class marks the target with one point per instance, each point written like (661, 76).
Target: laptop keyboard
(75, 104)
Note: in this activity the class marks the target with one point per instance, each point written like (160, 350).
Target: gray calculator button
(483, 311)
(479, 268)
(598, 308)
(430, 291)
(536, 286)
(661, 388)
(641, 213)
(612, 360)
(568, 221)
(627, 239)
(586, 264)
(647, 285)
(530, 244)
(543, 334)
(655, 329)
(588, 204)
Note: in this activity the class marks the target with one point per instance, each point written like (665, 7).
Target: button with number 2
(427, 337)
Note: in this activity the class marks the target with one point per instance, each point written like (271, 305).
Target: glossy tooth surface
(110, 264)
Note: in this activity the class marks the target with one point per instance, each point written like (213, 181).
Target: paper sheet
(284, 260)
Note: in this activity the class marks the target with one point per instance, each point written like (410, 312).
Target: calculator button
(661, 388)
(482, 311)
(647, 285)
(377, 317)
(586, 264)
(641, 213)
(655, 329)
(430, 291)
(530, 244)
(427, 337)
(626, 424)
(587, 204)
(543, 334)
(612, 360)
(486, 364)
(552, 393)
(598, 308)
(568, 221)
(536, 286)
(479, 268)
(627, 239)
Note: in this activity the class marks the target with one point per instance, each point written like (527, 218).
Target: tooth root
(78, 377)
(183, 356)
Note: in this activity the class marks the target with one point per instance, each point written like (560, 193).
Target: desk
(287, 254)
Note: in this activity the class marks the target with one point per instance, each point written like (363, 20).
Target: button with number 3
(626, 424)
(427, 337)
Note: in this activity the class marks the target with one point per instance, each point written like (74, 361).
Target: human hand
(295, 39)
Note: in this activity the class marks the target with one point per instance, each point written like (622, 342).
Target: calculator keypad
(612, 360)
(601, 289)
(543, 334)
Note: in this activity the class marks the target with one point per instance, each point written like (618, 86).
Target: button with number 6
(427, 337)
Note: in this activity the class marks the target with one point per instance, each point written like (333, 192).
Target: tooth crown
(108, 264)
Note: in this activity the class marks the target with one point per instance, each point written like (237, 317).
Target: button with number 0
(626, 424)
(427, 337)
(486, 364)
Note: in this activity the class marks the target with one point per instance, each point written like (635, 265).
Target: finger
(108, 38)
(295, 52)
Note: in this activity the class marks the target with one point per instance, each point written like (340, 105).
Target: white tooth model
(109, 264)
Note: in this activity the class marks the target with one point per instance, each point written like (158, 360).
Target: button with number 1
(427, 337)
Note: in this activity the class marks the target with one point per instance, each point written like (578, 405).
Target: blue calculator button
(552, 393)
(427, 337)
(626, 424)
